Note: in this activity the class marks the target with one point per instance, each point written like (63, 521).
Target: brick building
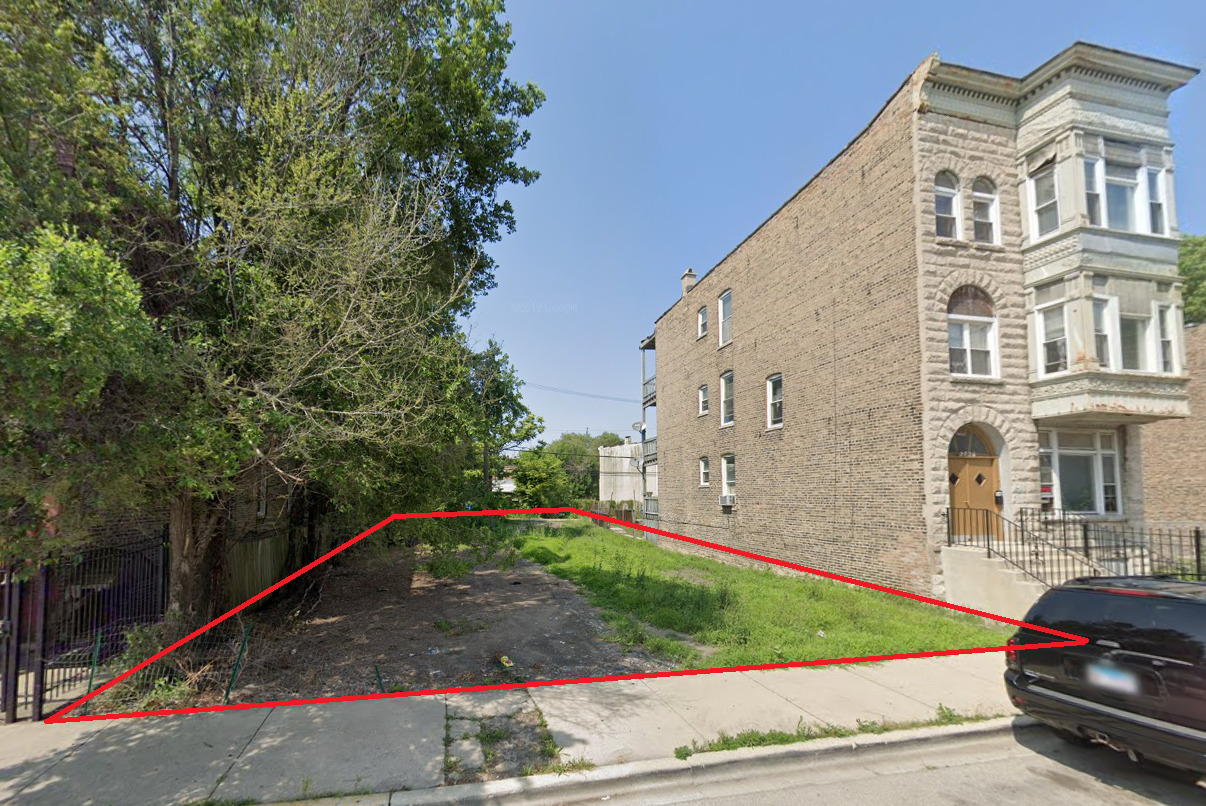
(1174, 451)
(975, 303)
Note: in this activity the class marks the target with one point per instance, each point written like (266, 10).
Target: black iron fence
(62, 620)
(1125, 547)
(1052, 548)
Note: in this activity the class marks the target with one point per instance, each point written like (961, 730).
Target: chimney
(627, 440)
(688, 281)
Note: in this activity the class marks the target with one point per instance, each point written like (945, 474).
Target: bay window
(1133, 336)
(1155, 201)
(1120, 184)
(1079, 471)
(1132, 186)
(1053, 339)
(1167, 320)
(1103, 318)
(1046, 201)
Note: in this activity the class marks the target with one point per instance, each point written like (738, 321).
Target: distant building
(1174, 451)
(505, 484)
(620, 473)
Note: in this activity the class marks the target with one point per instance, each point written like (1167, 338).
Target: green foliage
(579, 454)
(541, 481)
(1192, 265)
(76, 350)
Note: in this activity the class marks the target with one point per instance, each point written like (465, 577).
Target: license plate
(1111, 678)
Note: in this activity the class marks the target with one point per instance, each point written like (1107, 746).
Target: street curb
(697, 768)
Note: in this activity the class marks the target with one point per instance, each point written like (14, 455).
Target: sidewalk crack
(239, 755)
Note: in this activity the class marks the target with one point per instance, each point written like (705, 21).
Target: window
(1167, 322)
(1080, 470)
(705, 473)
(1103, 319)
(946, 205)
(1092, 193)
(984, 211)
(726, 318)
(971, 332)
(1120, 184)
(774, 401)
(729, 467)
(1133, 331)
(1046, 202)
(726, 399)
(702, 323)
(1054, 338)
(1155, 201)
(703, 399)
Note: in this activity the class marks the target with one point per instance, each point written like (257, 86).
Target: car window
(1156, 626)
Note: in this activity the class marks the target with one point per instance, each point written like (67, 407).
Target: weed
(461, 626)
(491, 736)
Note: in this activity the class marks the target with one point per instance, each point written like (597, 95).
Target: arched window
(985, 219)
(972, 332)
(946, 205)
(969, 441)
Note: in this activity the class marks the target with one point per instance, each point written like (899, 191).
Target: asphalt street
(1027, 766)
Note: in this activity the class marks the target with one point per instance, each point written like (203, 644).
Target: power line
(580, 394)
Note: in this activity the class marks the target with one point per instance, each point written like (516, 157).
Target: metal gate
(61, 619)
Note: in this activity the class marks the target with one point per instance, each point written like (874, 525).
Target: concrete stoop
(974, 579)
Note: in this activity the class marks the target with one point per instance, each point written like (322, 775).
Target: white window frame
(963, 321)
(701, 323)
(703, 400)
(725, 329)
(1094, 167)
(727, 395)
(1141, 198)
(994, 217)
(1146, 357)
(1041, 331)
(1113, 336)
(770, 423)
(1162, 191)
(1138, 196)
(728, 474)
(1034, 211)
(705, 472)
(1101, 456)
(956, 198)
(1166, 335)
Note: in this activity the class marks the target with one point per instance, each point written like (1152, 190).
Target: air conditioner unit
(728, 500)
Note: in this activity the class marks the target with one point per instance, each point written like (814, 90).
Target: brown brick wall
(1174, 451)
(825, 292)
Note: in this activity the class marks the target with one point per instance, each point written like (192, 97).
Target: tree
(75, 348)
(302, 189)
(541, 481)
(1192, 266)
(580, 455)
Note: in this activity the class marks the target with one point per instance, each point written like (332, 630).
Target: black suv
(1138, 686)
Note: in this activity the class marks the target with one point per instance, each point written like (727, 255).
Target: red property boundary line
(1075, 640)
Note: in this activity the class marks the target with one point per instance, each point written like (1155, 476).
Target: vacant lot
(380, 614)
(702, 613)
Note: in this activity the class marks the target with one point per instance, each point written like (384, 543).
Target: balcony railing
(649, 450)
(649, 390)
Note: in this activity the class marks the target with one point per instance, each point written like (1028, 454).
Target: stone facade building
(974, 304)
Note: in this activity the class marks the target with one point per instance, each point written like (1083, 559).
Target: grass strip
(805, 733)
(673, 605)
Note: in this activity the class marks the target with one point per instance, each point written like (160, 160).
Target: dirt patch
(382, 623)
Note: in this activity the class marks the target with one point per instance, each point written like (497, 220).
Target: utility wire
(580, 394)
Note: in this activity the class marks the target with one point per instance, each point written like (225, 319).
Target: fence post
(38, 664)
(1084, 539)
(950, 535)
(12, 643)
(1197, 550)
(238, 664)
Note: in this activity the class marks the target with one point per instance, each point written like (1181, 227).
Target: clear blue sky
(672, 129)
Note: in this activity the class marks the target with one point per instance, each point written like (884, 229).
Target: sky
(672, 129)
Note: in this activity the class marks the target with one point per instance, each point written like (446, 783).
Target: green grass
(749, 616)
(804, 733)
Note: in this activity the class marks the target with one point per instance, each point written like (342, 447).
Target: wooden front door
(974, 480)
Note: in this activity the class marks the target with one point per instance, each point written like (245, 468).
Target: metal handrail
(1041, 559)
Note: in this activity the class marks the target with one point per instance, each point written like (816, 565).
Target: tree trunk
(194, 586)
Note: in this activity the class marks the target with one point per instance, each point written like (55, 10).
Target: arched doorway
(973, 471)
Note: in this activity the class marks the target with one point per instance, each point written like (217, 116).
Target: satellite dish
(638, 426)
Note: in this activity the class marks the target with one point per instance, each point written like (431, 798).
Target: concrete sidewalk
(381, 746)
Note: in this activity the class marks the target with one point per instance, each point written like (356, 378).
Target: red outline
(59, 718)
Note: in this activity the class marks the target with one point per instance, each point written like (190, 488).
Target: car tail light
(1011, 655)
